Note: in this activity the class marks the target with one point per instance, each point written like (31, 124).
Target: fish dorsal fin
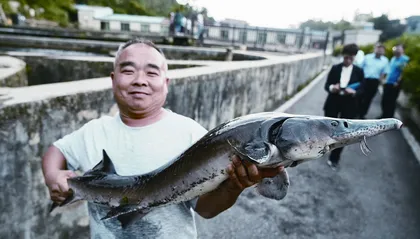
(104, 166)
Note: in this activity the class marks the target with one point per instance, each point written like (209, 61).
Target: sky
(285, 14)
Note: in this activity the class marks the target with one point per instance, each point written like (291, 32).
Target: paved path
(370, 197)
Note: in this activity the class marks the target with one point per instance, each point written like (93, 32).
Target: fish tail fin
(73, 197)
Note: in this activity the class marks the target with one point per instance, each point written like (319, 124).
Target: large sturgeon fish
(267, 139)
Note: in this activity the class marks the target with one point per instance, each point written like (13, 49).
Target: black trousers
(347, 110)
(389, 100)
(371, 87)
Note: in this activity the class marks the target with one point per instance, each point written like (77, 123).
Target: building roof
(131, 18)
(88, 7)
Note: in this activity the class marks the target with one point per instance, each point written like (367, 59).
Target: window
(104, 25)
(145, 28)
(125, 27)
(224, 33)
(242, 36)
(281, 38)
(262, 38)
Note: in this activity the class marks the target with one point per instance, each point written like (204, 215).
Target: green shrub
(367, 49)
(337, 50)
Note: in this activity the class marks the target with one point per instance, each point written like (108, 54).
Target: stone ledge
(12, 72)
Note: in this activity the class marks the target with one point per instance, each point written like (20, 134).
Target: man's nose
(140, 78)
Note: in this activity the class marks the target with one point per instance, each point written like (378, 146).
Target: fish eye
(334, 123)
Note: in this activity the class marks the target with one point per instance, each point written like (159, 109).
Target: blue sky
(278, 13)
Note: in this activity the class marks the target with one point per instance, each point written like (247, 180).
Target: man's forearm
(53, 161)
(218, 200)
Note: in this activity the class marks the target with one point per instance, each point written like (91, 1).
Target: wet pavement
(371, 197)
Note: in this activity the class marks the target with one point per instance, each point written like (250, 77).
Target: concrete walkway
(369, 197)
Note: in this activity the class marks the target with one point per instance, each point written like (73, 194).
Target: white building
(361, 37)
(103, 19)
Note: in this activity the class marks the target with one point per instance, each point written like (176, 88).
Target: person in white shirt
(345, 84)
(140, 138)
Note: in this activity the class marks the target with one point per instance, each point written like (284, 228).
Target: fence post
(233, 36)
(256, 37)
(326, 42)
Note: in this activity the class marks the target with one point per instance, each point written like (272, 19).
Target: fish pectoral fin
(129, 218)
(274, 188)
(256, 151)
(126, 214)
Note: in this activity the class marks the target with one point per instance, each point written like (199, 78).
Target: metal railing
(251, 37)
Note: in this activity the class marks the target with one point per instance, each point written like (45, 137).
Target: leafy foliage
(390, 28)
(59, 11)
(323, 26)
(411, 74)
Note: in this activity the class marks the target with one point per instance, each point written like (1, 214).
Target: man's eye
(127, 71)
(152, 73)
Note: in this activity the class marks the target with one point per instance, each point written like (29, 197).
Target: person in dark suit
(345, 83)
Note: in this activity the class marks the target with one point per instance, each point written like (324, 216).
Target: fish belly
(202, 188)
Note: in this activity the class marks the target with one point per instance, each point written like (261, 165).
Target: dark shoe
(333, 165)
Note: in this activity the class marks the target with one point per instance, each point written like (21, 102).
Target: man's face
(139, 79)
(380, 50)
(398, 50)
(348, 60)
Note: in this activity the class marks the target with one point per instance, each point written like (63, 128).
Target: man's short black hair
(140, 41)
(136, 41)
(350, 49)
(401, 45)
(380, 45)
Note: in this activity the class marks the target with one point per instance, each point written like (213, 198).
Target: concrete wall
(12, 72)
(33, 117)
(46, 69)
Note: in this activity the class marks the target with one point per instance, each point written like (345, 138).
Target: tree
(323, 26)
(390, 28)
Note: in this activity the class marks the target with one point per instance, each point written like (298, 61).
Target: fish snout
(348, 131)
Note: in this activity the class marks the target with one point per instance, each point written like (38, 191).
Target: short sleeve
(197, 132)
(72, 146)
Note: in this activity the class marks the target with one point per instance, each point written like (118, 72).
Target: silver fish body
(268, 139)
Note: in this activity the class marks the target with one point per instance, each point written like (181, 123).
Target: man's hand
(350, 91)
(243, 175)
(335, 88)
(57, 184)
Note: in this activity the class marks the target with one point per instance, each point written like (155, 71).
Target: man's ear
(167, 80)
(112, 76)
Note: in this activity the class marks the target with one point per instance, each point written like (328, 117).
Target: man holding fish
(134, 139)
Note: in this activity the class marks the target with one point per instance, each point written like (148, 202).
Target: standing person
(142, 137)
(345, 82)
(374, 67)
(393, 82)
(178, 21)
(171, 23)
(359, 58)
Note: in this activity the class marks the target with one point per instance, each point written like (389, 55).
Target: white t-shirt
(134, 151)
